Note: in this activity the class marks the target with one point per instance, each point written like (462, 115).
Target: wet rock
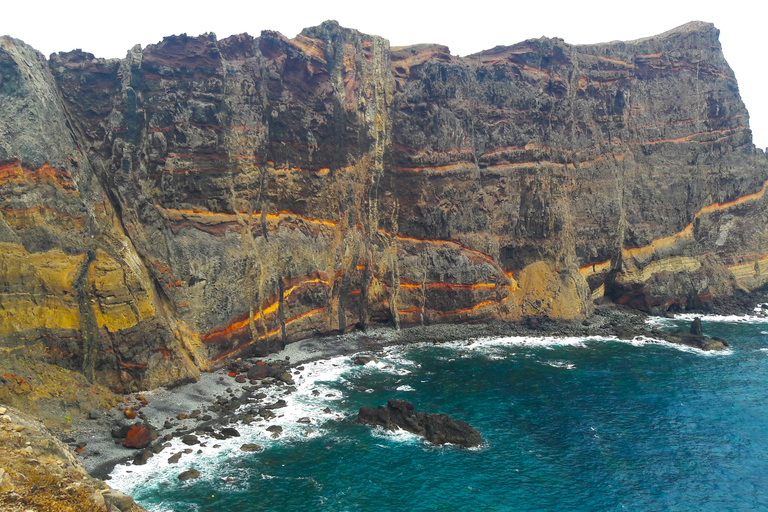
(142, 457)
(266, 413)
(230, 432)
(137, 437)
(194, 414)
(189, 474)
(190, 440)
(304, 420)
(173, 459)
(277, 405)
(364, 359)
(696, 328)
(181, 416)
(250, 447)
(240, 379)
(436, 428)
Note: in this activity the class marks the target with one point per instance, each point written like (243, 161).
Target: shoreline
(211, 403)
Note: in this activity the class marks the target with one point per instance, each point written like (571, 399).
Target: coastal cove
(571, 423)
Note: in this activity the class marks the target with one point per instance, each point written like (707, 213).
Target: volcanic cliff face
(203, 199)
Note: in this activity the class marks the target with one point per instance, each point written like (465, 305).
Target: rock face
(39, 472)
(436, 428)
(204, 199)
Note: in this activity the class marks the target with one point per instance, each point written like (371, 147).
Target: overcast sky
(109, 29)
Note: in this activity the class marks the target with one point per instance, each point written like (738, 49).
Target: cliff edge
(204, 199)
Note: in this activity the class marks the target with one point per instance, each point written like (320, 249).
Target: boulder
(189, 474)
(117, 499)
(142, 457)
(137, 437)
(248, 447)
(436, 428)
(277, 405)
(230, 432)
(190, 439)
(363, 360)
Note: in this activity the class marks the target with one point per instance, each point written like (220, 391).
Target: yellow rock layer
(542, 290)
(36, 289)
(41, 217)
(752, 274)
(121, 300)
(675, 264)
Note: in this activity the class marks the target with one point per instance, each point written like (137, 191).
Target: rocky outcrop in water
(436, 428)
(205, 199)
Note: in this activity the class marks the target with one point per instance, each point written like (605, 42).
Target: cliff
(204, 199)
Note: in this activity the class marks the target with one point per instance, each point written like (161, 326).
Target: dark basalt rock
(189, 474)
(694, 337)
(436, 428)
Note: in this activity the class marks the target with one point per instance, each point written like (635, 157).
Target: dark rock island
(436, 428)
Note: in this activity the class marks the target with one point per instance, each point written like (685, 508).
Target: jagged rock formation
(202, 199)
(436, 428)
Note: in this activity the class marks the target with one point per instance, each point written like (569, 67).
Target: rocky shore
(133, 428)
(250, 390)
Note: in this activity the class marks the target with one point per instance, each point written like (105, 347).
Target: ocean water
(568, 424)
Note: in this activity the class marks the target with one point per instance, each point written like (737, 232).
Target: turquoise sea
(568, 425)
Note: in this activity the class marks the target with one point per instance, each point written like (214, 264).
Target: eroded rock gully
(204, 199)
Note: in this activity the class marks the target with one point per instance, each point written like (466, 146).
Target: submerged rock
(189, 474)
(436, 428)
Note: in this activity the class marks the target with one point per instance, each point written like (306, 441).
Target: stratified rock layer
(201, 200)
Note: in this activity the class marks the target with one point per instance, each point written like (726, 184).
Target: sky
(109, 29)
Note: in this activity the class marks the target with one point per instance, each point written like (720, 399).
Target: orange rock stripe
(688, 138)
(15, 172)
(454, 312)
(177, 215)
(270, 333)
(667, 241)
(442, 168)
(272, 308)
(449, 286)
